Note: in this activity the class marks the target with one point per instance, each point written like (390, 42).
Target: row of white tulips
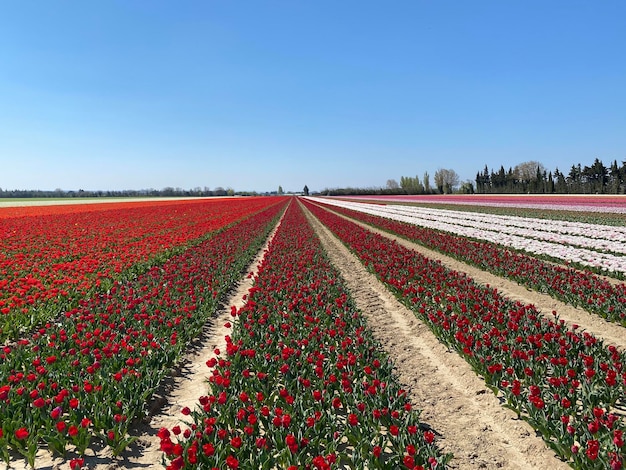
(587, 244)
(595, 237)
(580, 206)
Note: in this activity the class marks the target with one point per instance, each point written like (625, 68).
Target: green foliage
(531, 177)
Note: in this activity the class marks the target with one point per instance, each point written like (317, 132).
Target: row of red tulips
(47, 261)
(567, 384)
(302, 383)
(87, 376)
(577, 287)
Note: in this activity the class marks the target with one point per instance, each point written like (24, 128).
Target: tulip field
(100, 302)
(302, 382)
(487, 244)
(54, 253)
(567, 384)
(598, 246)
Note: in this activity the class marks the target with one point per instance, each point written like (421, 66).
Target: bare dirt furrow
(467, 418)
(610, 332)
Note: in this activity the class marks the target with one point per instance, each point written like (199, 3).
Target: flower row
(596, 246)
(575, 203)
(302, 383)
(595, 236)
(579, 288)
(89, 374)
(568, 385)
(47, 261)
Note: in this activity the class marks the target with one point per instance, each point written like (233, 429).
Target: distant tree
(467, 187)
(595, 177)
(511, 183)
(446, 180)
(528, 175)
(527, 171)
(305, 190)
(392, 184)
(560, 185)
(499, 181)
(538, 185)
(230, 192)
(551, 186)
(426, 179)
(574, 179)
(406, 184)
(483, 181)
(615, 178)
(411, 185)
(280, 190)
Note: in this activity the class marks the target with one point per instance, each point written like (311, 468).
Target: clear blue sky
(134, 94)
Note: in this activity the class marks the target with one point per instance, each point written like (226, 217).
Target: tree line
(529, 177)
(532, 177)
(446, 181)
(165, 192)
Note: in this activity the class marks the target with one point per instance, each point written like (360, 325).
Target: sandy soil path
(467, 418)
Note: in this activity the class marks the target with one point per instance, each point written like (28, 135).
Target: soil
(467, 418)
